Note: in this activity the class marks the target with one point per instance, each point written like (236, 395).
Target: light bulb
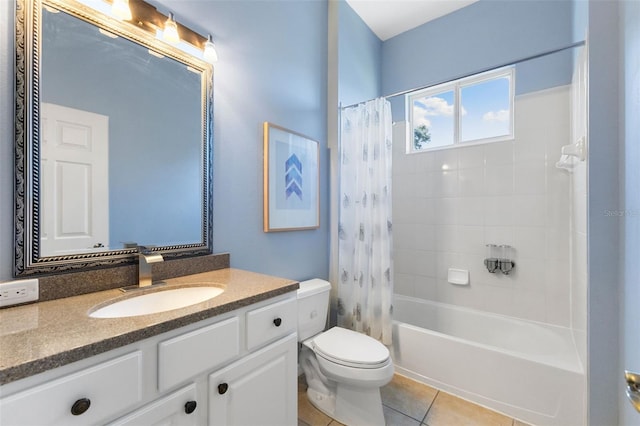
(121, 10)
(210, 54)
(170, 32)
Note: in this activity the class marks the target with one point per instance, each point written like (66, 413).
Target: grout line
(429, 408)
(404, 414)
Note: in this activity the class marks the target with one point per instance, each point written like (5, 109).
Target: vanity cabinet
(88, 396)
(236, 368)
(257, 390)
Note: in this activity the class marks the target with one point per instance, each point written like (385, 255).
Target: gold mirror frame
(27, 141)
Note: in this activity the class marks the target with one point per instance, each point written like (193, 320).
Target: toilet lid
(350, 348)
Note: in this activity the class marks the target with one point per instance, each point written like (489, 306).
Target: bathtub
(526, 370)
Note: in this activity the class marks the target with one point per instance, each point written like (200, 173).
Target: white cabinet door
(180, 408)
(260, 389)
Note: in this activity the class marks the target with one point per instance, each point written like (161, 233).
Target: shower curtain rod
(528, 58)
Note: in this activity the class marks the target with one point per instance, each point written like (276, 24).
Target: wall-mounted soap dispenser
(506, 262)
(491, 261)
(499, 259)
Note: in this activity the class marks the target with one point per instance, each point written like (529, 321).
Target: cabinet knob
(277, 322)
(222, 388)
(190, 407)
(80, 406)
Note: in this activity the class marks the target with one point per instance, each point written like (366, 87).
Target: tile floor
(409, 403)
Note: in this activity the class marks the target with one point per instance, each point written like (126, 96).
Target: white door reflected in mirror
(75, 177)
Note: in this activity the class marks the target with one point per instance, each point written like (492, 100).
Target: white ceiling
(388, 18)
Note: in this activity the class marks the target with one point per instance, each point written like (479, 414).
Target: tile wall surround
(83, 282)
(448, 204)
(579, 211)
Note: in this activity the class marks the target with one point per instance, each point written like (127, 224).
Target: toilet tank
(313, 306)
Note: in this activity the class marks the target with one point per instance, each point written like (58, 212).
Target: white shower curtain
(365, 266)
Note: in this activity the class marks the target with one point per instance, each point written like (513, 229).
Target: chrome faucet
(145, 258)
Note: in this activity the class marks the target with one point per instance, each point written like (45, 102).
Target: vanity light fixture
(170, 32)
(121, 10)
(210, 54)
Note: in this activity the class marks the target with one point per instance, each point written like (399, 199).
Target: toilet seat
(350, 348)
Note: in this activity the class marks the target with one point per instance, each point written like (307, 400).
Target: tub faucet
(145, 258)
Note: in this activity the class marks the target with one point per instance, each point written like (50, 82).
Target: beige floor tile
(408, 396)
(308, 415)
(395, 418)
(335, 423)
(519, 423)
(448, 410)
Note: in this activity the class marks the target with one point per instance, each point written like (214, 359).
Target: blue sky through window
(486, 106)
(484, 111)
(435, 112)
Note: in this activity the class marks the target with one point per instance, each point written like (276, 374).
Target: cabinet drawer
(271, 322)
(106, 388)
(189, 354)
(173, 409)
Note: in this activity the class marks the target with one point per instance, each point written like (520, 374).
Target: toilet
(344, 369)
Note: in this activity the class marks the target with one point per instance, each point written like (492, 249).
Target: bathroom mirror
(113, 141)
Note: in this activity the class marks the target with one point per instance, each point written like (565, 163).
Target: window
(475, 109)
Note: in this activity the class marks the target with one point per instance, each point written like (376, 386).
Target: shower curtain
(365, 266)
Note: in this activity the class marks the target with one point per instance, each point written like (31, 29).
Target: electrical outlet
(19, 291)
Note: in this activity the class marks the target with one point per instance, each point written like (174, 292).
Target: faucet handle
(148, 255)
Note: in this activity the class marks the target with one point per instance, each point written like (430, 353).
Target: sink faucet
(145, 258)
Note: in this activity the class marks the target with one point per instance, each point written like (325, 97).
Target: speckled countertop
(41, 336)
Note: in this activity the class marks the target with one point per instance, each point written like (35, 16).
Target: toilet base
(352, 406)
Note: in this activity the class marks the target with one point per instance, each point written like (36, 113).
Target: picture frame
(291, 180)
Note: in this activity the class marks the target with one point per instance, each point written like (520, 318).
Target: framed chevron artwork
(291, 180)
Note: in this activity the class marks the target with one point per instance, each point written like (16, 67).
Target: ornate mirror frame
(27, 140)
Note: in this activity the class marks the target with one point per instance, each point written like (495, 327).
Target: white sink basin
(159, 301)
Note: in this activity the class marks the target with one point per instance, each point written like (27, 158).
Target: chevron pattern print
(293, 176)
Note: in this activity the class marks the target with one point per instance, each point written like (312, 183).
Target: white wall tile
(446, 211)
(498, 153)
(415, 262)
(426, 288)
(448, 183)
(498, 180)
(531, 305)
(471, 182)
(499, 235)
(498, 211)
(403, 284)
(446, 159)
(471, 157)
(530, 210)
(452, 202)
(530, 242)
(530, 178)
(471, 211)
(471, 240)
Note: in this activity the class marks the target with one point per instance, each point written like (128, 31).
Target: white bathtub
(527, 370)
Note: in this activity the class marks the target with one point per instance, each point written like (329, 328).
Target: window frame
(456, 86)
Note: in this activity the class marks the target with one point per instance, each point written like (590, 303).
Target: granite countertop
(45, 335)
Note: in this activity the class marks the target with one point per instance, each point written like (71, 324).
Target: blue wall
(630, 25)
(605, 384)
(483, 35)
(7, 49)
(359, 58)
(273, 65)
